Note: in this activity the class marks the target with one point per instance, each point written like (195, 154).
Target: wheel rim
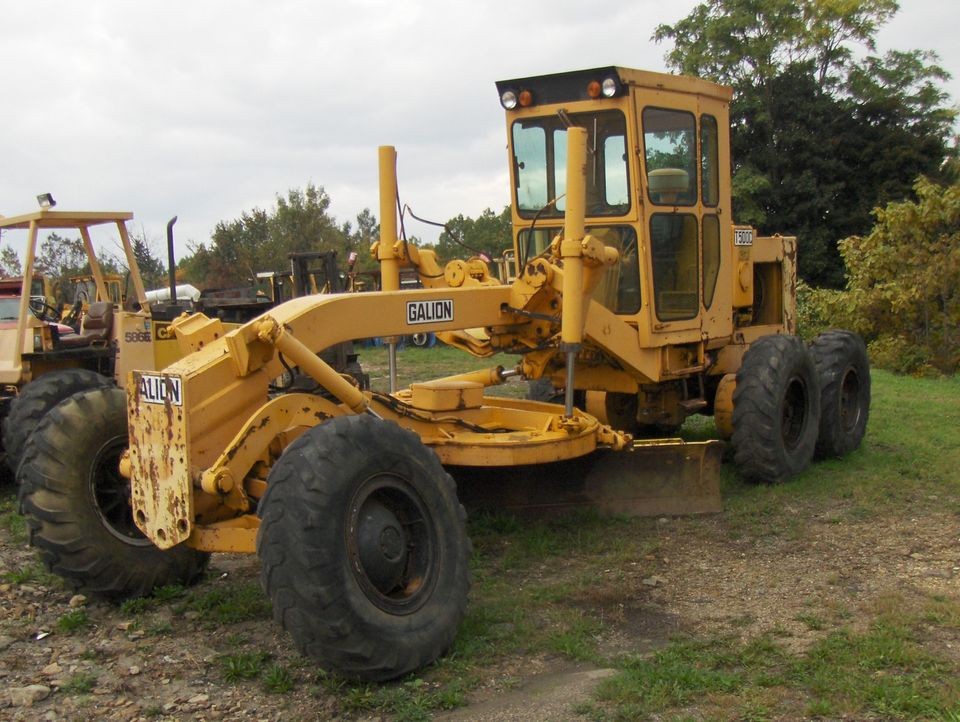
(794, 417)
(110, 492)
(850, 400)
(391, 544)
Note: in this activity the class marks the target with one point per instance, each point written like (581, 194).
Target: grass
(80, 683)
(243, 665)
(32, 573)
(14, 525)
(230, 603)
(74, 621)
(160, 596)
(882, 672)
(278, 679)
(411, 700)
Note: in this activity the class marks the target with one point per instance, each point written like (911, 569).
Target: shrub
(903, 285)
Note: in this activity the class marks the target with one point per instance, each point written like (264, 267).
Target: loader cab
(30, 348)
(658, 189)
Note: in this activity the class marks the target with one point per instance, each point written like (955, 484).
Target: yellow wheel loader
(633, 292)
(43, 362)
(64, 413)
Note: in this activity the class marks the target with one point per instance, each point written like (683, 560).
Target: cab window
(619, 289)
(711, 257)
(670, 150)
(709, 162)
(674, 246)
(540, 163)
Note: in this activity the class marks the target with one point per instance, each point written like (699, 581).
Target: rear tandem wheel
(776, 410)
(843, 369)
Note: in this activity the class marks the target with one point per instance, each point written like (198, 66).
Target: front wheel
(364, 548)
(776, 410)
(78, 504)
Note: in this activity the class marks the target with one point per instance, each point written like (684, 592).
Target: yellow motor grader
(634, 293)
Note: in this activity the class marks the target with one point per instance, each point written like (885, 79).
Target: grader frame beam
(218, 424)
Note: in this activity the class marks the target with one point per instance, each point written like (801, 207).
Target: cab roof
(46, 218)
(571, 86)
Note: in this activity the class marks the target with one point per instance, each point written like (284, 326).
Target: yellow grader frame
(635, 295)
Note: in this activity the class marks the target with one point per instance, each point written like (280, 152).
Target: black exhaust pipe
(172, 265)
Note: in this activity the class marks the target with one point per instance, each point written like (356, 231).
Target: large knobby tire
(776, 410)
(77, 503)
(36, 399)
(364, 548)
(843, 370)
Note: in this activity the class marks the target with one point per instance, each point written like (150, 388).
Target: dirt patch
(548, 696)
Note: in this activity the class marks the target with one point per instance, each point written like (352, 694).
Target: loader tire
(78, 505)
(843, 371)
(364, 549)
(36, 399)
(776, 410)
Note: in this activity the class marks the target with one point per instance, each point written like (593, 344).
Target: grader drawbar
(635, 296)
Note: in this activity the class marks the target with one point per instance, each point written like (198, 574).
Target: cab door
(682, 210)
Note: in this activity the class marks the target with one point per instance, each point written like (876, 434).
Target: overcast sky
(206, 109)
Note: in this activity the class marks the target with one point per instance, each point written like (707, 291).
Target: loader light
(37, 342)
(609, 88)
(45, 200)
(508, 100)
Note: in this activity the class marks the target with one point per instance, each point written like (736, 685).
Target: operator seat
(95, 327)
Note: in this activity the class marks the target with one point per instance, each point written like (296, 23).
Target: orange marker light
(526, 98)
(593, 89)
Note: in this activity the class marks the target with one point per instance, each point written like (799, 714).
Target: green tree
(360, 240)
(59, 258)
(10, 262)
(153, 271)
(488, 234)
(302, 222)
(903, 282)
(261, 240)
(819, 138)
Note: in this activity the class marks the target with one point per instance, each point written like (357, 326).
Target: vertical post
(102, 293)
(571, 251)
(25, 288)
(132, 265)
(386, 253)
(389, 264)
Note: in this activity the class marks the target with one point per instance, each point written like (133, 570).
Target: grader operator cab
(634, 292)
